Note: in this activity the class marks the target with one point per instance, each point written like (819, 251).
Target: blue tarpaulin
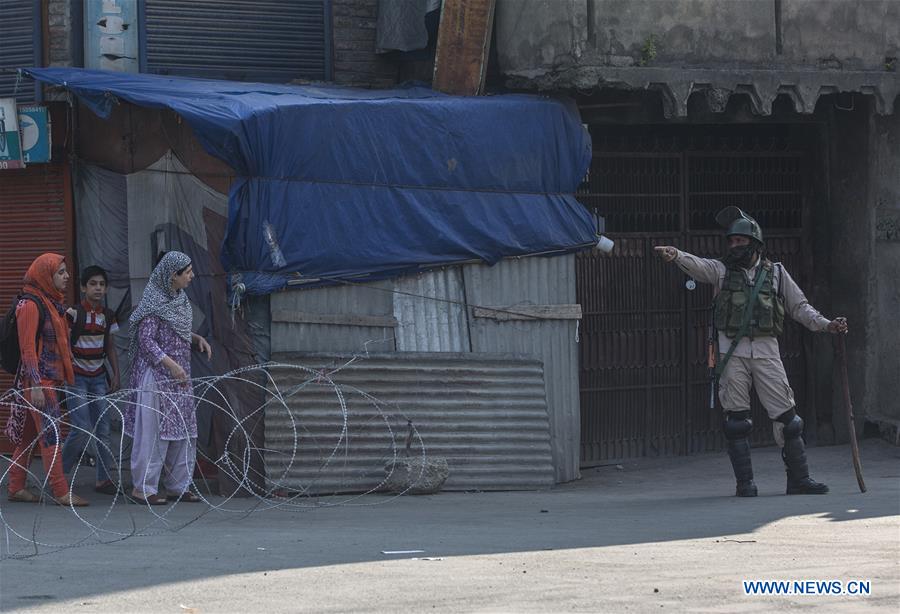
(338, 184)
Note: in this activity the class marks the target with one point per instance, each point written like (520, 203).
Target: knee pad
(737, 424)
(793, 424)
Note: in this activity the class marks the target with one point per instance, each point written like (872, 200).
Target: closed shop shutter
(265, 40)
(35, 218)
(21, 44)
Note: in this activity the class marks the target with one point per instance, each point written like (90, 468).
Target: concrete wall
(845, 252)
(848, 34)
(535, 34)
(855, 227)
(885, 181)
(841, 34)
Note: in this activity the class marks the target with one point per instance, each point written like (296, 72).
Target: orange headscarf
(39, 282)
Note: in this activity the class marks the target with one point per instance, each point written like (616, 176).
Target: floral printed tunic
(178, 415)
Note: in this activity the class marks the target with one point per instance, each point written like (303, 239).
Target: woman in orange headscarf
(45, 367)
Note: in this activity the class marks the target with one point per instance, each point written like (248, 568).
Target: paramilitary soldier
(753, 295)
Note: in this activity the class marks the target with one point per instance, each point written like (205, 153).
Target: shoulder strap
(78, 325)
(42, 311)
(108, 315)
(42, 317)
(780, 280)
(748, 315)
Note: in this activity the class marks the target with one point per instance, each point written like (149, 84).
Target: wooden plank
(530, 312)
(339, 319)
(464, 40)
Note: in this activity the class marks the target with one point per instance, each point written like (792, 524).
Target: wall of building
(849, 275)
(534, 35)
(801, 49)
(62, 16)
(355, 61)
(840, 34)
(353, 50)
(857, 260)
(848, 248)
(885, 173)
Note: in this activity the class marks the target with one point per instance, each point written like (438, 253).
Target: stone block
(416, 476)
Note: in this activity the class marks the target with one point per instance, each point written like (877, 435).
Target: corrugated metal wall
(437, 325)
(486, 414)
(536, 281)
(264, 40)
(427, 313)
(373, 299)
(20, 47)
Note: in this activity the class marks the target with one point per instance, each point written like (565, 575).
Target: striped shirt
(89, 350)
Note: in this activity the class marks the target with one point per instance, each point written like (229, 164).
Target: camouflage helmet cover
(739, 223)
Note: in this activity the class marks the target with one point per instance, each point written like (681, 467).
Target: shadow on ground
(641, 502)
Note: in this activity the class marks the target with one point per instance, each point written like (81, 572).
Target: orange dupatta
(39, 282)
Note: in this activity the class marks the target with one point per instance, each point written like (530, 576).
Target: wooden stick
(845, 381)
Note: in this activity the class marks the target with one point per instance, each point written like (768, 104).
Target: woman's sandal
(23, 496)
(109, 488)
(70, 499)
(151, 500)
(187, 497)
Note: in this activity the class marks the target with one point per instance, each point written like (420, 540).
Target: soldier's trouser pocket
(734, 385)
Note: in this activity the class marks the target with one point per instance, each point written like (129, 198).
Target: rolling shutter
(265, 40)
(20, 47)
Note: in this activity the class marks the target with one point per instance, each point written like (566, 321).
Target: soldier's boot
(737, 429)
(794, 455)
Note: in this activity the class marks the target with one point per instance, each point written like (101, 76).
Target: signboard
(34, 127)
(10, 148)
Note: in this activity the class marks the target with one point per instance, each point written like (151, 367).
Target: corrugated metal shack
(515, 411)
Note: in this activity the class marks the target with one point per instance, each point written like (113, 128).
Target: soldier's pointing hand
(666, 252)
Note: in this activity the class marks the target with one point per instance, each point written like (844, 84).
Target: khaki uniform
(756, 361)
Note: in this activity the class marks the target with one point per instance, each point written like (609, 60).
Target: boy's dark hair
(93, 271)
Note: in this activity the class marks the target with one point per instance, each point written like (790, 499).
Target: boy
(92, 326)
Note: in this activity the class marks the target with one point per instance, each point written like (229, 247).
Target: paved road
(653, 536)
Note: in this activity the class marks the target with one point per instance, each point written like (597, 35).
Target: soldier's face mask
(740, 255)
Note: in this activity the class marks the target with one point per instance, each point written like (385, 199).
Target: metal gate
(643, 376)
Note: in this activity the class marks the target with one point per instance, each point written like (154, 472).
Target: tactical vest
(768, 313)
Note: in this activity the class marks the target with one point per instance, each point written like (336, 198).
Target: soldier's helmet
(737, 222)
